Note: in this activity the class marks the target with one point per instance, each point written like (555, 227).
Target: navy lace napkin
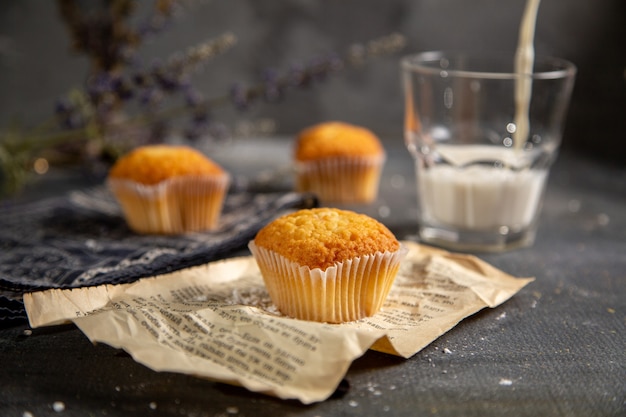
(81, 239)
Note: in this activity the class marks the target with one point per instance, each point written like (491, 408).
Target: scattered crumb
(27, 414)
(232, 410)
(611, 310)
(374, 389)
(446, 350)
(58, 406)
(28, 332)
(152, 405)
(501, 316)
(505, 382)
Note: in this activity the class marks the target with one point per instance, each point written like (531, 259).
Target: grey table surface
(557, 348)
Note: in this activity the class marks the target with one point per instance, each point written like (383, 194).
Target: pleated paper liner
(177, 205)
(348, 291)
(341, 179)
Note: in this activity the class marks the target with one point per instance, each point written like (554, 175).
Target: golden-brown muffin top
(319, 238)
(152, 164)
(336, 139)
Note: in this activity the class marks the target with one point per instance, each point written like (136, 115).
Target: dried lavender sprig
(108, 86)
(199, 54)
(149, 87)
(358, 54)
(102, 35)
(102, 31)
(173, 75)
(274, 87)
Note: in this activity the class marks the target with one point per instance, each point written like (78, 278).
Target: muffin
(327, 265)
(166, 189)
(339, 162)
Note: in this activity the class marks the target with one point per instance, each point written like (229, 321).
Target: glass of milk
(482, 150)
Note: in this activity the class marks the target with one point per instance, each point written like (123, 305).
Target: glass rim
(423, 61)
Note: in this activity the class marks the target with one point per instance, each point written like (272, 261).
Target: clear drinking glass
(482, 154)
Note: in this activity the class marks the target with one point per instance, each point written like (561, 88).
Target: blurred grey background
(37, 64)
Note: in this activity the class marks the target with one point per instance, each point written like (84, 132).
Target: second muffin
(165, 189)
(340, 162)
(326, 264)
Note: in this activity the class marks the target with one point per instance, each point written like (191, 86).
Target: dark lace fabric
(81, 239)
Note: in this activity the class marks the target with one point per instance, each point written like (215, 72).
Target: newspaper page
(217, 321)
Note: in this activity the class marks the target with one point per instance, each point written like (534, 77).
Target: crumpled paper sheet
(216, 321)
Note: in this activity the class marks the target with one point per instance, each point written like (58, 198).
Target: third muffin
(340, 162)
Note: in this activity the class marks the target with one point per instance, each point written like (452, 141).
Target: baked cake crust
(155, 163)
(320, 238)
(331, 139)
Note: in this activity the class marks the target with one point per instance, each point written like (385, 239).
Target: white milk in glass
(481, 197)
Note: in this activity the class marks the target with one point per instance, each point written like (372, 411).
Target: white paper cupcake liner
(341, 179)
(348, 291)
(177, 205)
